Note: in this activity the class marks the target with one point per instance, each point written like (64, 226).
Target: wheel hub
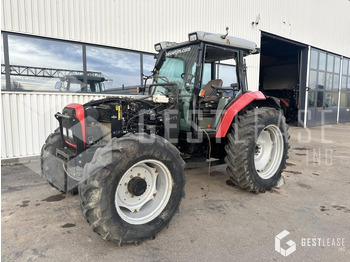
(137, 186)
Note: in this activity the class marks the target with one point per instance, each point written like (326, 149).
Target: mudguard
(240, 103)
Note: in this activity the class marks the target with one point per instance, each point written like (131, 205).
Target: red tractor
(126, 156)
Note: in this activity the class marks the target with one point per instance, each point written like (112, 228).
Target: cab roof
(229, 41)
(216, 39)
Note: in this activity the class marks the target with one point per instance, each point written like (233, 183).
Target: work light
(192, 37)
(158, 47)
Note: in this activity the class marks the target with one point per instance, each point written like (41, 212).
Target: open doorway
(283, 66)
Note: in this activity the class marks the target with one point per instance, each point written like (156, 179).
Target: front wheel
(257, 149)
(51, 167)
(134, 187)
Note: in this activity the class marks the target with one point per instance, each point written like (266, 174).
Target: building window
(345, 85)
(36, 64)
(120, 68)
(3, 76)
(324, 78)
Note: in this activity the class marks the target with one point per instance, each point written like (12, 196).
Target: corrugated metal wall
(28, 118)
(139, 24)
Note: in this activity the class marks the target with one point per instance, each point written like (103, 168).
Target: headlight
(192, 37)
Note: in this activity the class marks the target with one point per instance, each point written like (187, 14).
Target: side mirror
(160, 60)
(58, 85)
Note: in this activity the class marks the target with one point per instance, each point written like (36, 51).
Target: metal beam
(18, 70)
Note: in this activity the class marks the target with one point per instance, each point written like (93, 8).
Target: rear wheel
(134, 187)
(257, 149)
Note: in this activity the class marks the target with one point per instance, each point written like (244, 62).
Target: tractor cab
(190, 71)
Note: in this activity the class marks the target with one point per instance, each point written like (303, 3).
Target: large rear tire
(133, 188)
(257, 149)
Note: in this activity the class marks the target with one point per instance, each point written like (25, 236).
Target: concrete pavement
(217, 221)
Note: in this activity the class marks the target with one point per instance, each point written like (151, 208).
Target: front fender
(240, 103)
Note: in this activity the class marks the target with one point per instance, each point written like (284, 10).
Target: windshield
(179, 67)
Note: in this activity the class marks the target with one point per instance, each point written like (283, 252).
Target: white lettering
(178, 51)
(322, 242)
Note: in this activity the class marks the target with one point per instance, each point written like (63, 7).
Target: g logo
(290, 243)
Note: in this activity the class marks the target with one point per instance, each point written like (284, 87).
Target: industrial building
(304, 58)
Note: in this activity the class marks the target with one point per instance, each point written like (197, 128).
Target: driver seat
(210, 93)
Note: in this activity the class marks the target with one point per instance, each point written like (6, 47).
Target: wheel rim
(268, 151)
(143, 192)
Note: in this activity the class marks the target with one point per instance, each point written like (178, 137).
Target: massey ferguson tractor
(126, 155)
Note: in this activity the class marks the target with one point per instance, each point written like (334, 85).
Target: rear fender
(241, 102)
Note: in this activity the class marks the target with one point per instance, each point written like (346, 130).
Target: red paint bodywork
(80, 115)
(241, 102)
